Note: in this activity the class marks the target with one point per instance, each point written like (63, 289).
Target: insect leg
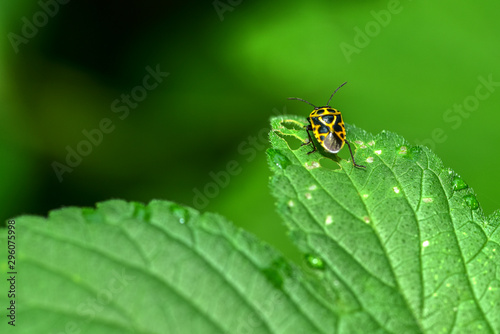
(352, 156)
(309, 128)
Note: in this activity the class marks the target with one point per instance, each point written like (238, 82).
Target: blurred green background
(418, 68)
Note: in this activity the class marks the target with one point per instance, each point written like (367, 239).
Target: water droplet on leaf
(277, 272)
(471, 201)
(459, 184)
(315, 262)
(180, 212)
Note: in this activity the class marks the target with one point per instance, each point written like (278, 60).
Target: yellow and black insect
(328, 127)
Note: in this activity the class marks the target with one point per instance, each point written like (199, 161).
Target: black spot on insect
(320, 112)
(328, 119)
(323, 129)
(337, 127)
(316, 121)
(322, 137)
(342, 135)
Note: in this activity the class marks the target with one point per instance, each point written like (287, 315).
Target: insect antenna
(296, 98)
(328, 103)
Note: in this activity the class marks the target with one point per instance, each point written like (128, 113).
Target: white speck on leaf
(312, 165)
(328, 220)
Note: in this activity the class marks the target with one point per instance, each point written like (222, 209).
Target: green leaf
(399, 247)
(403, 244)
(161, 268)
